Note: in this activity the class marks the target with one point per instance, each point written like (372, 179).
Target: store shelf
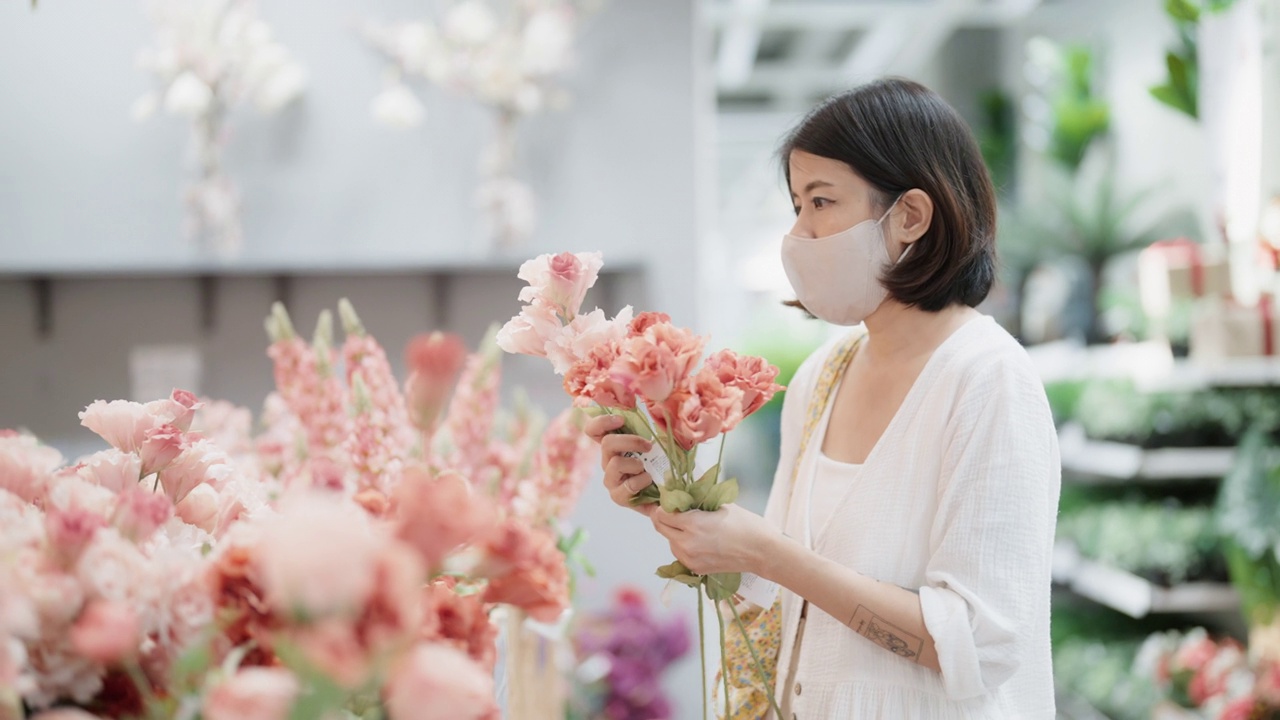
(1135, 596)
(1101, 461)
(1190, 375)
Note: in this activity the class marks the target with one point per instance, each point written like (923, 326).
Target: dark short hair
(899, 135)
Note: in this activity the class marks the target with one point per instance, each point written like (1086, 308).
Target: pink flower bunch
(308, 382)
(1200, 672)
(562, 465)
(550, 324)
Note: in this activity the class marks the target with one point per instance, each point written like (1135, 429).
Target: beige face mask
(837, 278)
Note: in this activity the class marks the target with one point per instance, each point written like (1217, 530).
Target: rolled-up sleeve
(988, 577)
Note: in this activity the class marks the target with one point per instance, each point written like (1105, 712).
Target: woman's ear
(913, 216)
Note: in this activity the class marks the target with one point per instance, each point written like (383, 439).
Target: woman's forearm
(887, 615)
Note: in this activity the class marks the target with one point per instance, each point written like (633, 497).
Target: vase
(532, 667)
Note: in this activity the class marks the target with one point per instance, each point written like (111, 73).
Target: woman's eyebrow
(814, 185)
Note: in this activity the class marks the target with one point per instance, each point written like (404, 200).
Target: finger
(663, 529)
(622, 468)
(668, 520)
(598, 428)
(619, 444)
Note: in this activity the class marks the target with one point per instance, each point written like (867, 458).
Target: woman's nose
(801, 229)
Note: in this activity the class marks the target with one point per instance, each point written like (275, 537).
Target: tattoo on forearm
(885, 634)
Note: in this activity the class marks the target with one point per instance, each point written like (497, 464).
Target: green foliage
(997, 137)
(1080, 114)
(1247, 512)
(1181, 88)
(1162, 542)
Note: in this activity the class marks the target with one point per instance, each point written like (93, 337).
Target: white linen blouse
(958, 501)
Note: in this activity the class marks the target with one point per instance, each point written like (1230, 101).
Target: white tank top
(831, 480)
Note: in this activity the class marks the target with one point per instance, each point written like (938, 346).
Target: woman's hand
(623, 476)
(731, 539)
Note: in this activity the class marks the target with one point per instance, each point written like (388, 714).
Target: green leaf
(722, 494)
(722, 586)
(676, 501)
(702, 488)
(681, 574)
(1182, 10)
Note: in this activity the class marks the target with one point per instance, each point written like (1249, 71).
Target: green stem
(724, 667)
(702, 648)
(720, 459)
(768, 686)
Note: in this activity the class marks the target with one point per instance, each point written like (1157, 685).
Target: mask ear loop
(892, 205)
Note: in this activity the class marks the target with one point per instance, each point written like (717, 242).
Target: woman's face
(828, 196)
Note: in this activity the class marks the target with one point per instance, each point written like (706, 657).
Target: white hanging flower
(548, 40)
(188, 95)
(397, 106)
(471, 22)
(281, 87)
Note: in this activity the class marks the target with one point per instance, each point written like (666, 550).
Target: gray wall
(89, 199)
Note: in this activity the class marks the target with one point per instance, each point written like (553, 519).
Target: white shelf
(1185, 375)
(1135, 596)
(1118, 462)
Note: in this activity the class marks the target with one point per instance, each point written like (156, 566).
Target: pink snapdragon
(434, 362)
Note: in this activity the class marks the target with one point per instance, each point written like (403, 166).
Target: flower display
(506, 55)
(623, 653)
(349, 556)
(650, 372)
(207, 57)
(1215, 677)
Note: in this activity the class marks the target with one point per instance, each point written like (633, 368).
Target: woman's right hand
(623, 476)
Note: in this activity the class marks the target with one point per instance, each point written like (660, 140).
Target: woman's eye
(819, 203)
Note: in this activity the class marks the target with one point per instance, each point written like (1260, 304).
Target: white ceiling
(785, 54)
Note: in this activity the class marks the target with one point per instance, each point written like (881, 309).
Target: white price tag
(758, 591)
(655, 463)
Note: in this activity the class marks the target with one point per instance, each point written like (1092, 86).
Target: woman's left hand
(731, 539)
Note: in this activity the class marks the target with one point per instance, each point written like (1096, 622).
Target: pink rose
(25, 465)
(648, 369)
(436, 515)
(253, 693)
(646, 320)
(200, 508)
(317, 557)
(577, 339)
(70, 531)
(112, 469)
(139, 513)
(1240, 709)
(530, 332)
(596, 379)
(123, 424)
(179, 409)
(334, 648)
(106, 632)
(459, 620)
(711, 409)
(527, 570)
(161, 447)
(199, 462)
(681, 342)
(560, 280)
(438, 682)
(752, 375)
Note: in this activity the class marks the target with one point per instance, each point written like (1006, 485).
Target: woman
(914, 533)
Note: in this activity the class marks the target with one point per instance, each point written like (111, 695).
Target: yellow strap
(748, 699)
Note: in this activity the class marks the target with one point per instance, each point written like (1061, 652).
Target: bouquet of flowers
(1213, 677)
(650, 372)
(331, 562)
(625, 649)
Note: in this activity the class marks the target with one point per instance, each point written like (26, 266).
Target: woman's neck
(898, 333)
